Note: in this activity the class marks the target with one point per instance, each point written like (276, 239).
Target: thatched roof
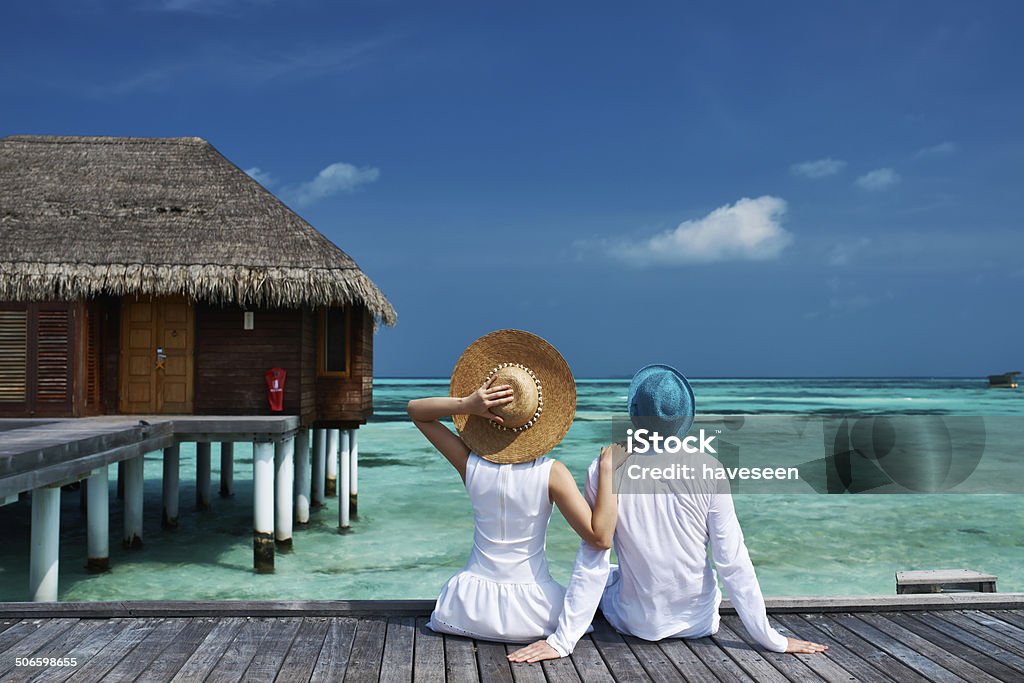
(80, 216)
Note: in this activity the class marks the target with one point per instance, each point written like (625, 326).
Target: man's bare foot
(803, 646)
(537, 652)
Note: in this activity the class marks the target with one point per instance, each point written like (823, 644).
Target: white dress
(504, 592)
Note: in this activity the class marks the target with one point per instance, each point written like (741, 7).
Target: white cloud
(819, 168)
(335, 179)
(260, 176)
(940, 150)
(878, 179)
(749, 230)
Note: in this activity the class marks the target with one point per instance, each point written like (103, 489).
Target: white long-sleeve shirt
(664, 585)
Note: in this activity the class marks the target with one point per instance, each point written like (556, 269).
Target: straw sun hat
(543, 392)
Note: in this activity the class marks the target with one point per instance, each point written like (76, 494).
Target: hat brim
(648, 370)
(559, 395)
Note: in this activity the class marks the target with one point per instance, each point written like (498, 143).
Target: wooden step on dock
(909, 638)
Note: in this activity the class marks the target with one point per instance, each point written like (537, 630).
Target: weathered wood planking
(900, 646)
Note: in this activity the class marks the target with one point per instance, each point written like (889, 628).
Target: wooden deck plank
(231, 666)
(365, 661)
(971, 648)
(867, 650)
(1011, 617)
(937, 652)
(716, 659)
(460, 660)
(302, 655)
(897, 648)
(748, 659)
(492, 664)
(621, 661)
(33, 641)
(530, 673)
(13, 635)
(589, 663)
(178, 651)
(837, 652)
(88, 646)
(996, 630)
(686, 662)
(560, 670)
(333, 659)
(428, 655)
(653, 659)
(795, 667)
(58, 647)
(399, 650)
(96, 667)
(146, 652)
(209, 651)
(272, 651)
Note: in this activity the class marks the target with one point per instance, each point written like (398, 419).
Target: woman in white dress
(512, 400)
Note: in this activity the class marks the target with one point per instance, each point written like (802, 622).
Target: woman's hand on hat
(481, 401)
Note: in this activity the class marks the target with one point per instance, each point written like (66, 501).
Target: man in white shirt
(664, 585)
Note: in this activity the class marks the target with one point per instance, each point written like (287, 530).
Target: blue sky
(739, 189)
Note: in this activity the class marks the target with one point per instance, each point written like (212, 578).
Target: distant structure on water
(152, 275)
(1007, 380)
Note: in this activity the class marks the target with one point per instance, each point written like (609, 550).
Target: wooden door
(157, 340)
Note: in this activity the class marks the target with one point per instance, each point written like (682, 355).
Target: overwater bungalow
(1007, 380)
(152, 275)
(153, 278)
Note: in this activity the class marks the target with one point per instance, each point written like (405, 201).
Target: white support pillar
(345, 481)
(203, 477)
(284, 457)
(227, 469)
(45, 548)
(134, 479)
(331, 480)
(263, 507)
(353, 441)
(169, 518)
(319, 467)
(302, 479)
(98, 514)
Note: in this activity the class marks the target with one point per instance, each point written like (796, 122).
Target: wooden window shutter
(53, 362)
(92, 358)
(13, 356)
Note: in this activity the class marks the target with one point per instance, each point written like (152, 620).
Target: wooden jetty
(977, 637)
(40, 456)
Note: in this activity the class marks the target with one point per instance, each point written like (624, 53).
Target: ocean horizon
(414, 528)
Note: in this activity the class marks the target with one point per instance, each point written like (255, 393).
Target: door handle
(161, 358)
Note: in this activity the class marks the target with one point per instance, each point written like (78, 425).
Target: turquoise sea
(414, 525)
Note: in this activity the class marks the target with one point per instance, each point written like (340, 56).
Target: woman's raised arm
(426, 413)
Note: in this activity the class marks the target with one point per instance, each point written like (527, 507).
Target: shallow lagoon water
(414, 526)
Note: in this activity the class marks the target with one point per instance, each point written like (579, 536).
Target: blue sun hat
(661, 400)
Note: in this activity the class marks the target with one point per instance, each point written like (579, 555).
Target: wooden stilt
(263, 507)
(344, 479)
(354, 448)
(203, 475)
(227, 469)
(135, 478)
(319, 471)
(97, 489)
(45, 549)
(171, 474)
(284, 457)
(331, 483)
(302, 478)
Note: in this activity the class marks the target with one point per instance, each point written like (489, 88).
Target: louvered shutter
(13, 356)
(53, 356)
